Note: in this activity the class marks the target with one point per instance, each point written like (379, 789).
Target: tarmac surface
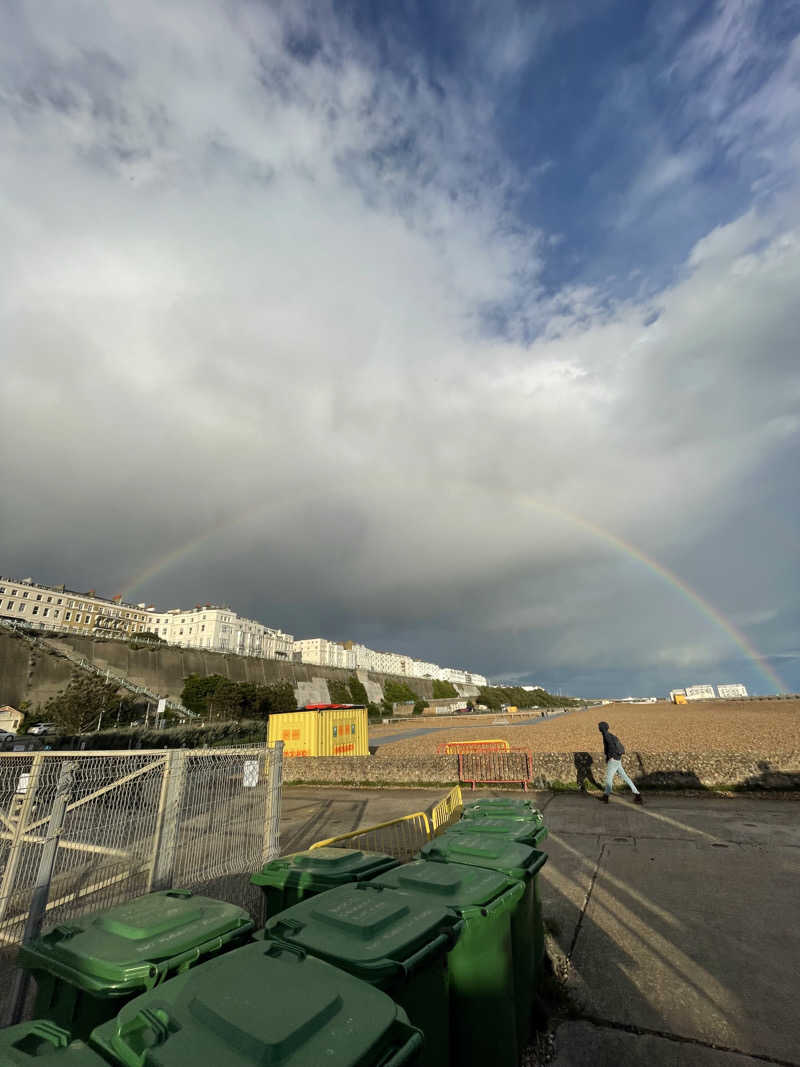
(677, 924)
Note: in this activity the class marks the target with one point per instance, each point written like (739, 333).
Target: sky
(459, 329)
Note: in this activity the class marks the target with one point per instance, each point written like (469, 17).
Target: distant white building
(220, 629)
(700, 692)
(324, 653)
(731, 691)
(351, 655)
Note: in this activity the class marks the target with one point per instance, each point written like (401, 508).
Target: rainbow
(601, 533)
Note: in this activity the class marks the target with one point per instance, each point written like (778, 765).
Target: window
(49, 600)
(25, 596)
(58, 601)
(67, 615)
(2, 589)
(56, 613)
(35, 609)
(38, 596)
(203, 627)
(21, 607)
(45, 611)
(10, 604)
(78, 618)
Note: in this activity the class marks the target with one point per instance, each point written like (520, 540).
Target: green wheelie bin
(265, 1004)
(86, 969)
(483, 1026)
(502, 808)
(290, 879)
(41, 1043)
(522, 863)
(392, 940)
(523, 831)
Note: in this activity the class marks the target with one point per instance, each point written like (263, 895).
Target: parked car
(43, 728)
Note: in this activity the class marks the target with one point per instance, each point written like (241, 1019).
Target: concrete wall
(36, 674)
(655, 770)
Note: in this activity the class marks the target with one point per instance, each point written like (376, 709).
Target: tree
(441, 689)
(78, 708)
(340, 692)
(358, 691)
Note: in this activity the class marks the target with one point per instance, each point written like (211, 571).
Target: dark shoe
(638, 799)
(604, 798)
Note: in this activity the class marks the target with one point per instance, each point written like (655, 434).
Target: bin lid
(372, 931)
(126, 946)
(263, 1003)
(455, 884)
(40, 1043)
(494, 851)
(326, 866)
(501, 807)
(529, 830)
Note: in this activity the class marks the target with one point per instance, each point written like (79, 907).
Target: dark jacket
(612, 746)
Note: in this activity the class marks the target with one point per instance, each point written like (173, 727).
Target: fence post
(17, 841)
(166, 836)
(272, 815)
(41, 891)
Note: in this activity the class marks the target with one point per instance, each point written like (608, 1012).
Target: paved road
(681, 921)
(313, 813)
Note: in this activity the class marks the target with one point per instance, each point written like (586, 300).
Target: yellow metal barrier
(401, 838)
(447, 811)
(489, 744)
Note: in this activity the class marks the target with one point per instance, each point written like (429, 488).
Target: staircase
(61, 648)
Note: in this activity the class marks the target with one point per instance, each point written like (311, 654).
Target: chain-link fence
(81, 832)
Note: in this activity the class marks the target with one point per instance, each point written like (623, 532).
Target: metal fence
(496, 767)
(447, 811)
(403, 837)
(80, 832)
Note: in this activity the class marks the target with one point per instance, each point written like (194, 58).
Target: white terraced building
(220, 629)
(350, 655)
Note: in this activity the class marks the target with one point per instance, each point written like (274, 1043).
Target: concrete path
(313, 813)
(681, 923)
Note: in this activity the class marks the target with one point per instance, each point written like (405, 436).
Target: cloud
(251, 271)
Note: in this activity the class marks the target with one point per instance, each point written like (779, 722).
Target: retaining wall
(655, 770)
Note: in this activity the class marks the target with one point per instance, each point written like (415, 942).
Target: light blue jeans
(613, 768)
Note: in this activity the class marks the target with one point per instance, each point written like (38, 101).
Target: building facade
(220, 629)
(54, 607)
(351, 655)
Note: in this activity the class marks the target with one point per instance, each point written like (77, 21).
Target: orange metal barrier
(496, 767)
(453, 748)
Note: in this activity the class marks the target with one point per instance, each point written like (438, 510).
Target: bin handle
(500, 901)
(155, 1019)
(405, 1052)
(538, 863)
(179, 893)
(177, 963)
(410, 965)
(284, 926)
(278, 947)
(51, 1033)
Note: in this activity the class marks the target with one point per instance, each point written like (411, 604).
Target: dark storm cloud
(274, 298)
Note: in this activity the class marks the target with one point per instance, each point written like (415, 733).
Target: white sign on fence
(250, 777)
(22, 784)
(162, 707)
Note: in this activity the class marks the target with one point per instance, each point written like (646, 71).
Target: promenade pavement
(676, 925)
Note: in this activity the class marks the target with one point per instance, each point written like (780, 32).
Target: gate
(95, 829)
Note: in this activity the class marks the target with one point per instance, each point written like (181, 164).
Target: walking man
(614, 751)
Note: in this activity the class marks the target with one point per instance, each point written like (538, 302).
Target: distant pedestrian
(614, 751)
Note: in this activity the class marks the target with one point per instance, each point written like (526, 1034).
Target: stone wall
(653, 770)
